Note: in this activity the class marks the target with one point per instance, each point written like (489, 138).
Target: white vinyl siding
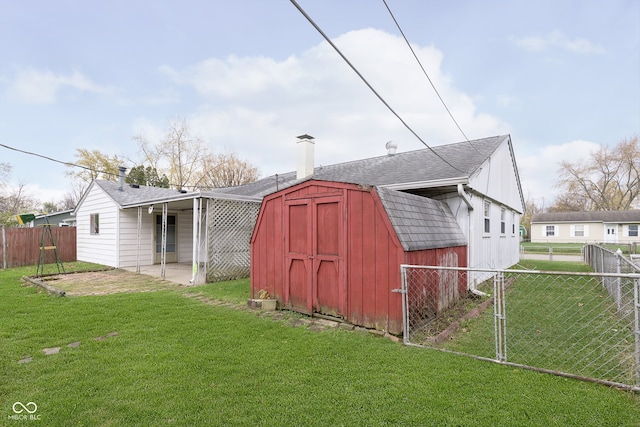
(129, 237)
(99, 248)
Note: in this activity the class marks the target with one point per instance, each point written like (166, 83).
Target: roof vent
(182, 191)
(134, 186)
(391, 148)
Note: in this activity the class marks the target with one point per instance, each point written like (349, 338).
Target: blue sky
(562, 77)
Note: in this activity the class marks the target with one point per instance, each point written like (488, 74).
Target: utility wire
(311, 21)
(96, 171)
(427, 75)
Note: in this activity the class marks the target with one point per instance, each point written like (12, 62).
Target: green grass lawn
(164, 359)
(563, 323)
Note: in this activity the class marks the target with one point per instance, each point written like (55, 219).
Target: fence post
(4, 249)
(619, 279)
(499, 317)
(550, 253)
(636, 304)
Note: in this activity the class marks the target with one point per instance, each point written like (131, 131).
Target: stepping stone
(74, 344)
(25, 360)
(325, 322)
(50, 351)
(113, 334)
(101, 338)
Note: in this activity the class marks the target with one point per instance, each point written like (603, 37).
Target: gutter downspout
(465, 199)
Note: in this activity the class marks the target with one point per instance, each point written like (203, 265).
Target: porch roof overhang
(186, 200)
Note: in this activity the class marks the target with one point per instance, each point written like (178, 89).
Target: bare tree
(226, 170)
(177, 155)
(609, 180)
(14, 202)
(189, 163)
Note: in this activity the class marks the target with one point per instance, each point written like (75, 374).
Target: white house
(123, 225)
(586, 227)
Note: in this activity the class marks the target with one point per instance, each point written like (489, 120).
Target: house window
(633, 230)
(94, 223)
(550, 230)
(578, 231)
(487, 221)
(513, 223)
(503, 221)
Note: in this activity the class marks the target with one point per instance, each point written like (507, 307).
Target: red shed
(336, 249)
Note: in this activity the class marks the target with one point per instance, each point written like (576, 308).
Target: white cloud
(268, 102)
(32, 86)
(556, 39)
(539, 169)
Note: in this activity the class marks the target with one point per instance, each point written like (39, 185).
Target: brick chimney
(305, 156)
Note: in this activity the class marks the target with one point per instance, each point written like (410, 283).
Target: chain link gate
(572, 324)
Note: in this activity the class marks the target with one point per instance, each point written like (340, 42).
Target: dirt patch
(102, 283)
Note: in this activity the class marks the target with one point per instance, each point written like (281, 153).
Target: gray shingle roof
(135, 196)
(445, 161)
(130, 196)
(420, 222)
(631, 216)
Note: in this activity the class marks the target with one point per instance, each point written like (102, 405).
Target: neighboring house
(62, 218)
(586, 227)
(123, 225)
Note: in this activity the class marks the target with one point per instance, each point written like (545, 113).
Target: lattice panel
(231, 224)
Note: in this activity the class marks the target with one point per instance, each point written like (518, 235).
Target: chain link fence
(582, 325)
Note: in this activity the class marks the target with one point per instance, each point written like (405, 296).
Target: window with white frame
(487, 218)
(578, 230)
(513, 223)
(633, 230)
(550, 230)
(94, 223)
(503, 221)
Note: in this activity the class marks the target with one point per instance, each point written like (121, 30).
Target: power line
(95, 171)
(311, 21)
(426, 74)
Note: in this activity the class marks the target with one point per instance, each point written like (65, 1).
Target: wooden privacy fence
(21, 246)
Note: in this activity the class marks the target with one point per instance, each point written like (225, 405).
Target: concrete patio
(174, 272)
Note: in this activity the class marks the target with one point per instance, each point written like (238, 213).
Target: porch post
(163, 250)
(138, 238)
(195, 254)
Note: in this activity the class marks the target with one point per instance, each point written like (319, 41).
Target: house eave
(447, 182)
